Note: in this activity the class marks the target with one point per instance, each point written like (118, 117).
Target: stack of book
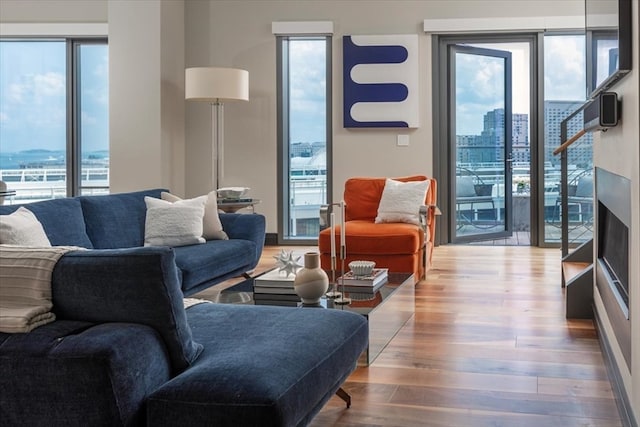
(275, 288)
(364, 284)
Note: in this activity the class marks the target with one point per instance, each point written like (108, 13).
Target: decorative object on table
(233, 193)
(364, 284)
(276, 287)
(276, 282)
(333, 293)
(311, 281)
(342, 299)
(362, 268)
(216, 85)
(286, 262)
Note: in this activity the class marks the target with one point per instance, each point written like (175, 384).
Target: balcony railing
(35, 184)
(576, 190)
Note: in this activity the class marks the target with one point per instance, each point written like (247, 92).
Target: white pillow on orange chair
(401, 201)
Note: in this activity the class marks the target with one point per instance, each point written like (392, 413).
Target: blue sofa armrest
(134, 285)
(77, 373)
(245, 226)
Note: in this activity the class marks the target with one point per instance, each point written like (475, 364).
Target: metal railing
(563, 150)
(35, 184)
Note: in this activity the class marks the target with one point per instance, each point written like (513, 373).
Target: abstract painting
(380, 81)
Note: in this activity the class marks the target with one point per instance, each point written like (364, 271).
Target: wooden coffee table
(386, 311)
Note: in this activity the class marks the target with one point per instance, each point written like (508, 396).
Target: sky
(33, 96)
(32, 89)
(307, 81)
(479, 79)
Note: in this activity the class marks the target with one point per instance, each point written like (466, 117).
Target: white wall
(238, 34)
(60, 11)
(146, 95)
(618, 151)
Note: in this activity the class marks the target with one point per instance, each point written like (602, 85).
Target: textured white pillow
(22, 228)
(401, 201)
(211, 225)
(172, 224)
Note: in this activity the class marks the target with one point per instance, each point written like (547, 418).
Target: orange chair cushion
(366, 237)
(362, 195)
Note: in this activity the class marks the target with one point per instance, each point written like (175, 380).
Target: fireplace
(613, 224)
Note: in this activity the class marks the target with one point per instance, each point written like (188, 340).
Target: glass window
(93, 117)
(43, 124)
(564, 92)
(304, 130)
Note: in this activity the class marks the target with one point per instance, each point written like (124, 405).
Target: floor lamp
(215, 86)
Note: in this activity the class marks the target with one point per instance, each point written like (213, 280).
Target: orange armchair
(400, 247)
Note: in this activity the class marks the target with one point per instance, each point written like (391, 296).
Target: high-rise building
(581, 154)
(520, 147)
(493, 133)
(470, 149)
(489, 145)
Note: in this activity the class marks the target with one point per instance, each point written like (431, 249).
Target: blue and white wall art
(380, 81)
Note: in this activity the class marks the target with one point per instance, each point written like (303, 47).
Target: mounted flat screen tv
(608, 27)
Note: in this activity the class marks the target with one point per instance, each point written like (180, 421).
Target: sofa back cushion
(62, 220)
(135, 285)
(116, 220)
(362, 195)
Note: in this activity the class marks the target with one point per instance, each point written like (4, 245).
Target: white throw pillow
(211, 225)
(173, 224)
(401, 201)
(22, 228)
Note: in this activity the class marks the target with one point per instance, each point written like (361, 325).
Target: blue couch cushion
(246, 227)
(200, 263)
(135, 285)
(117, 220)
(61, 219)
(266, 366)
(71, 373)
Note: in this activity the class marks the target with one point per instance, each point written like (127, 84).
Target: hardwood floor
(488, 345)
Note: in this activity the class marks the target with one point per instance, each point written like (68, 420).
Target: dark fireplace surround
(613, 228)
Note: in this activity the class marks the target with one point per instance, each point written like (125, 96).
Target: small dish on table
(232, 193)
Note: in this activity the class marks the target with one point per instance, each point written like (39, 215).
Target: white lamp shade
(216, 84)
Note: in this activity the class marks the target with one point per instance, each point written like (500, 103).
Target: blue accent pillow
(61, 219)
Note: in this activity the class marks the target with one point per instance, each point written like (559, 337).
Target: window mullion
(69, 117)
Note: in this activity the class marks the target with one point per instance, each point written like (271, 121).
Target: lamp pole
(217, 143)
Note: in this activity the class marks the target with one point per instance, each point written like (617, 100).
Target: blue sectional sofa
(123, 350)
(117, 222)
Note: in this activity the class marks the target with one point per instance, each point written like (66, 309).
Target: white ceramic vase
(311, 282)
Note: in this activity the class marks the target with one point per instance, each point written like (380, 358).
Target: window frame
(73, 116)
(283, 143)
